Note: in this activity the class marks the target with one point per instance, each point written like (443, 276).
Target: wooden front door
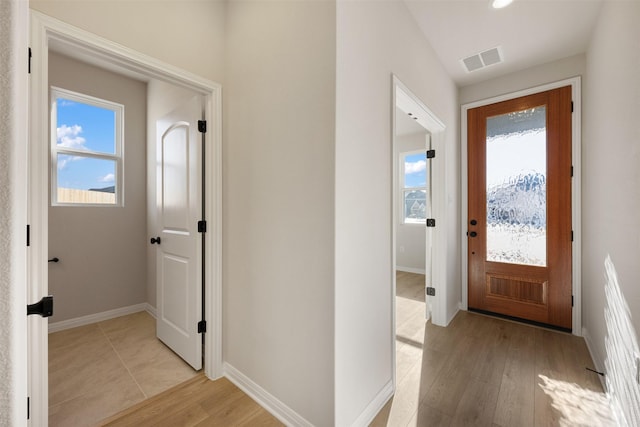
(519, 229)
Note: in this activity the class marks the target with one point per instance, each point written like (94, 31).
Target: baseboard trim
(151, 310)
(411, 270)
(376, 405)
(595, 357)
(278, 409)
(97, 317)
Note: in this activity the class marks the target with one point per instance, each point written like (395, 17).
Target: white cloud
(62, 163)
(69, 137)
(108, 178)
(415, 167)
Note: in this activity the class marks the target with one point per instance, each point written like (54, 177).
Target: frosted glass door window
(516, 181)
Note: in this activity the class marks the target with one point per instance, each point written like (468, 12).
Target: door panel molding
(575, 84)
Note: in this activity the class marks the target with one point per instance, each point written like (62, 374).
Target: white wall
(13, 185)
(376, 39)
(525, 79)
(188, 33)
(410, 238)
(102, 249)
(611, 197)
(162, 98)
(279, 114)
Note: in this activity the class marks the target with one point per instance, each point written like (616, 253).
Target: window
(414, 187)
(86, 150)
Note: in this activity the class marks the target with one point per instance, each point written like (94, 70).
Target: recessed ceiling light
(499, 4)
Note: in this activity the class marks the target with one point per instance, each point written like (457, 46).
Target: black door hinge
(431, 154)
(571, 171)
(28, 235)
(28, 408)
(431, 291)
(572, 106)
(44, 307)
(202, 126)
(202, 326)
(572, 235)
(202, 226)
(29, 63)
(431, 222)
(571, 300)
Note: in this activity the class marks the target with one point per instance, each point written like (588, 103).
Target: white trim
(411, 269)
(435, 307)
(19, 327)
(151, 310)
(576, 214)
(46, 31)
(376, 405)
(271, 403)
(97, 317)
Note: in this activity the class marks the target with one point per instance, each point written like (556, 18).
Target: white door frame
(576, 200)
(436, 128)
(47, 31)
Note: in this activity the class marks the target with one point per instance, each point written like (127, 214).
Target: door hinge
(28, 235)
(571, 300)
(28, 408)
(202, 326)
(202, 226)
(431, 291)
(44, 307)
(431, 222)
(572, 235)
(29, 61)
(571, 171)
(431, 154)
(202, 126)
(572, 106)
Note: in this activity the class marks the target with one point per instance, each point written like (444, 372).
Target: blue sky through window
(415, 170)
(85, 127)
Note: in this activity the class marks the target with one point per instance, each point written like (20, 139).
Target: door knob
(155, 240)
(472, 234)
(473, 222)
(55, 259)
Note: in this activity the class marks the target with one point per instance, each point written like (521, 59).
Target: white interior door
(179, 253)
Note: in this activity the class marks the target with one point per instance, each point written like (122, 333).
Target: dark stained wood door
(519, 199)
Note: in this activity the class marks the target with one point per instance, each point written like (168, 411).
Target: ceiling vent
(482, 60)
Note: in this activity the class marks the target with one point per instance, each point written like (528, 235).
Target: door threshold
(520, 320)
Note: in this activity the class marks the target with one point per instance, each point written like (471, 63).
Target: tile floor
(100, 369)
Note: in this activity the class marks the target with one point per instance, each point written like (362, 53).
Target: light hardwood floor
(100, 369)
(483, 371)
(196, 403)
(479, 371)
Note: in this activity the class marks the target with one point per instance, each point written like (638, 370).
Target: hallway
(482, 371)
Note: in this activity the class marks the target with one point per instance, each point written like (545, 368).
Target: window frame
(404, 189)
(117, 157)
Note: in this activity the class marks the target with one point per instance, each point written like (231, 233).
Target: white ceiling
(530, 32)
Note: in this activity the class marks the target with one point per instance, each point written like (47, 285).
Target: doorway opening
(519, 208)
(539, 255)
(417, 184)
(49, 35)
